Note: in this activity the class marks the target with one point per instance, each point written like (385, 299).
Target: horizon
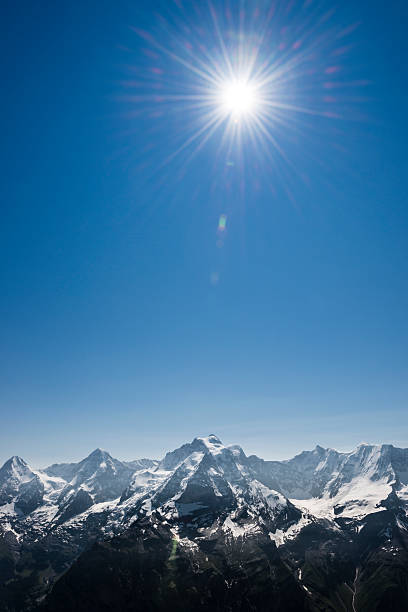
(161, 456)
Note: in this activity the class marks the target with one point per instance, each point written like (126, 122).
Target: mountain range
(207, 528)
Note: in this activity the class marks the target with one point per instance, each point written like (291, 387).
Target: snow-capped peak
(16, 469)
(99, 453)
(211, 440)
(211, 443)
(14, 474)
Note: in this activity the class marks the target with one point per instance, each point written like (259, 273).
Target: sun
(256, 80)
(238, 98)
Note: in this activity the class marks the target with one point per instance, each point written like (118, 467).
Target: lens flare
(222, 223)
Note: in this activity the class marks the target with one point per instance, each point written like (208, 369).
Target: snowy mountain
(206, 482)
(97, 478)
(312, 514)
(14, 476)
(330, 483)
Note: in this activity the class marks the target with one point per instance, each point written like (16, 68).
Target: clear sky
(131, 318)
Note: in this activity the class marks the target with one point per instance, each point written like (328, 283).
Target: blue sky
(123, 324)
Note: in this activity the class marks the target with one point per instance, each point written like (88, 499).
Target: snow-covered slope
(362, 482)
(302, 477)
(203, 483)
(330, 483)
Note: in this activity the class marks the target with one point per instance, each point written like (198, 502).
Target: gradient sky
(123, 325)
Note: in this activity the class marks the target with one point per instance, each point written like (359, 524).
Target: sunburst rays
(254, 75)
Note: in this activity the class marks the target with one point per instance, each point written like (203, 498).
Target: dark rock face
(148, 569)
(358, 570)
(78, 503)
(30, 495)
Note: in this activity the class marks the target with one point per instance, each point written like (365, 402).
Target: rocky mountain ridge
(200, 493)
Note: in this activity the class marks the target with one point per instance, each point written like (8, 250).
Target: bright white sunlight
(238, 98)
